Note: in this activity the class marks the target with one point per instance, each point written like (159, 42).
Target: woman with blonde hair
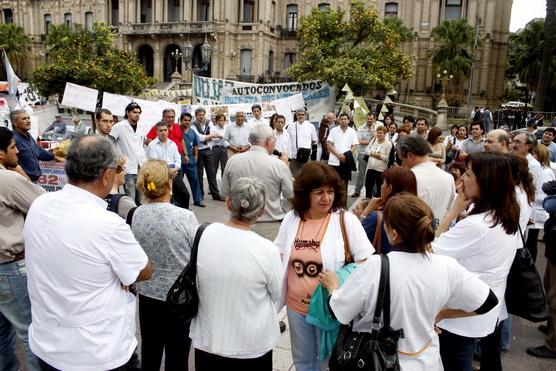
(166, 233)
(424, 287)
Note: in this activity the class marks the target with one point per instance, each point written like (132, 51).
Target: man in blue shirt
(191, 153)
(29, 152)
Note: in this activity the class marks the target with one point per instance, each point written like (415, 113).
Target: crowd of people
(74, 263)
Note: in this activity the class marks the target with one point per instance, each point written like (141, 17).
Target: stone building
(255, 39)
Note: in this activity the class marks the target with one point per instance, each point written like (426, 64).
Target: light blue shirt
(164, 151)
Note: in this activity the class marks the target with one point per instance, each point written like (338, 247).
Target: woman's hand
(461, 203)
(329, 280)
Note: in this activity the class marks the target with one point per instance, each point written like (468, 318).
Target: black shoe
(219, 198)
(541, 352)
(355, 195)
(282, 327)
(543, 329)
(200, 204)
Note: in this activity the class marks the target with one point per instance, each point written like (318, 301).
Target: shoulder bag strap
(347, 251)
(129, 216)
(521, 234)
(377, 240)
(381, 294)
(386, 304)
(296, 135)
(195, 247)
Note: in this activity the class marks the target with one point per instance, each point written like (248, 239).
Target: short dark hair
(219, 116)
(166, 110)
(312, 176)
(6, 136)
(199, 110)
(161, 124)
(99, 112)
(414, 144)
(88, 157)
(475, 123)
(372, 114)
(409, 118)
(185, 114)
(256, 105)
(423, 119)
(279, 117)
(551, 130)
(130, 107)
(343, 114)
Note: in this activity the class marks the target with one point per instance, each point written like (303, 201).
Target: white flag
(12, 77)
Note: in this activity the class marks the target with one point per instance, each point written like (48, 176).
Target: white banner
(318, 96)
(80, 97)
(115, 103)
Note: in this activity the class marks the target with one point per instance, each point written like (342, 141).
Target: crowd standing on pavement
(74, 263)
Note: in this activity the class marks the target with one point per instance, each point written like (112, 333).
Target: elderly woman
(238, 276)
(310, 240)
(166, 233)
(378, 151)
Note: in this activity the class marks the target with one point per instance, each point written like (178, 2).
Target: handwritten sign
(80, 97)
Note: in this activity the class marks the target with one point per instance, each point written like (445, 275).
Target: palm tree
(453, 54)
(16, 44)
(547, 54)
(525, 53)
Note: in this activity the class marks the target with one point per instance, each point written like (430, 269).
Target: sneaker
(355, 195)
(541, 352)
(200, 204)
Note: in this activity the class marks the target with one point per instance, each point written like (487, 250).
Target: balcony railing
(245, 78)
(167, 28)
(288, 32)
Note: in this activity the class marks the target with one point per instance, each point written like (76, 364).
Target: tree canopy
(88, 57)
(454, 40)
(359, 50)
(16, 44)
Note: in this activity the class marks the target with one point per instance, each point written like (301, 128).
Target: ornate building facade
(255, 39)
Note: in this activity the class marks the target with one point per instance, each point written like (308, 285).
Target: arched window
(67, 19)
(47, 23)
(324, 7)
(89, 20)
(8, 16)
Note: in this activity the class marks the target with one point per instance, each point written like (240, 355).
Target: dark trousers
(491, 350)
(180, 194)
(219, 157)
(190, 171)
(162, 331)
(46, 367)
(205, 161)
(209, 362)
(531, 243)
(456, 351)
(373, 178)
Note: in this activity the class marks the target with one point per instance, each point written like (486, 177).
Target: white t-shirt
(283, 142)
(485, 251)
(420, 286)
(436, 187)
(238, 276)
(307, 135)
(78, 255)
(342, 141)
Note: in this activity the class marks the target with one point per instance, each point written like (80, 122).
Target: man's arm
(332, 149)
(146, 273)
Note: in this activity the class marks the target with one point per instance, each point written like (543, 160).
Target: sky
(525, 10)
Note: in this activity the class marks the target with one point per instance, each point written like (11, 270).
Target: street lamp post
(206, 53)
(176, 55)
(444, 79)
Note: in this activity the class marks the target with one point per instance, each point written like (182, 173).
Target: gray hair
(200, 109)
(248, 199)
(414, 144)
(14, 113)
(88, 157)
(167, 110)
(259, 133)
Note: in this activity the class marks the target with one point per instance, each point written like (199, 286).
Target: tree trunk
(548, 52)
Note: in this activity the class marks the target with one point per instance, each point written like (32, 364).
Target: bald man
(497, 141)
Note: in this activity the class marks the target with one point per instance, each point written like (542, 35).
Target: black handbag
(303, 154)
(524, 291)
(374, 351)
(183, 298)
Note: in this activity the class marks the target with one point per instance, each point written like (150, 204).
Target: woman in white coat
(310, 240)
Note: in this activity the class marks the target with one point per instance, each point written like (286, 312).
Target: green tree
(16, 44)
(549, 47)
(88, 57)
(361, 51)
(525, 53)
(454, 40)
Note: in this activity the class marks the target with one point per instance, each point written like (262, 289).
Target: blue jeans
(361, 170)
(130, 188)
(304, 339)
(190, 171)
(15, 316)
(507, 333)
(456, 351)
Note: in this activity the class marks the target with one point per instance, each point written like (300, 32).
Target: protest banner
(53, 177)
(80, 97)
(319, 97)
(115, 103)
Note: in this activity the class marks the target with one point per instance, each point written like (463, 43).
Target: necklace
(313, 243)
